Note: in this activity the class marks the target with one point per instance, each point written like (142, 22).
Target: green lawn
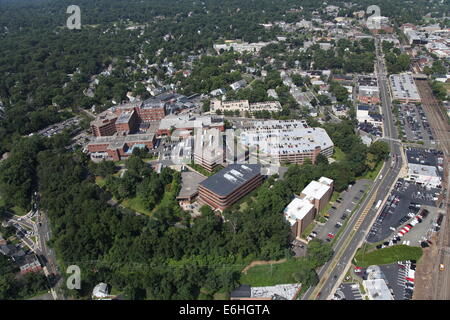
(136, 204)
(308, 230)
(338, 155)
(371, 175)
(387, 255)
(270, 275)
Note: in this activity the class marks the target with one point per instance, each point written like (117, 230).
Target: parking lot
(402, 206)
(341, 210)
(415, 124)
(399, 278)
(348, 291)
(59, 127)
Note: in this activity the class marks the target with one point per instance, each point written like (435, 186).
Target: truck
(441, 267)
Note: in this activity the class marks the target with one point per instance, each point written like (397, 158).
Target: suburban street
(41, 231)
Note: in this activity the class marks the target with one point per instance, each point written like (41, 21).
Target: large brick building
(229, 185)
(118, 147)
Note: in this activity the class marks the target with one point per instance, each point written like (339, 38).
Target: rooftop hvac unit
(230, 178)
(236, 173)
(246, 168)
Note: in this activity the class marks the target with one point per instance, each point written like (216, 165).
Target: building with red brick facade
(229, 185)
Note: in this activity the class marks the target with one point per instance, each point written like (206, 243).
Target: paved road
(361, 221)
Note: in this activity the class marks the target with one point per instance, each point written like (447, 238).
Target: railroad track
(440, 126)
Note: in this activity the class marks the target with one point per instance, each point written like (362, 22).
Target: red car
(330, 235)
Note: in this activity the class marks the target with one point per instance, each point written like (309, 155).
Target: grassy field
(270, 275)
(371, 175)
(386, 255)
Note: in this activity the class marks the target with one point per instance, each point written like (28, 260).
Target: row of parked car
(407, 273)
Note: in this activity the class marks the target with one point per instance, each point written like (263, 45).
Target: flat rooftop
(125, 117)
(187, 121)
(315, 190)
(285, 137)
(231, 178)
(423, 170)
(404, 87)
(118, 141)
(189, 184)
(297, 209)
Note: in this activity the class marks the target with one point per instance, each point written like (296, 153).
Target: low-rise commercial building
(368, 91)
(369, 114)
(423, 174)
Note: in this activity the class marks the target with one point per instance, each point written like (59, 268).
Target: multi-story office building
(229, 185)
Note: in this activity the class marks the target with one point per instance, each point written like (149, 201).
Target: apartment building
(301, 211)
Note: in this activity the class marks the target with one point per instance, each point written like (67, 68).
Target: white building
(423, 174)
(377, 289)
(299, 213)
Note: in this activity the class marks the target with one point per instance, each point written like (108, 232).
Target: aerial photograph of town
(234, 151)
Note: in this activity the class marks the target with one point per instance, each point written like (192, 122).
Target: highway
(361, 221)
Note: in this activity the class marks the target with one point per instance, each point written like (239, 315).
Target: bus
(378, 205)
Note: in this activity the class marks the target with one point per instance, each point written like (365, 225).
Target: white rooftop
(315, 190)
(423, 170)
(285, 291)
(297, 210)
(326, 181)
(285, 137)
(378, 290)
